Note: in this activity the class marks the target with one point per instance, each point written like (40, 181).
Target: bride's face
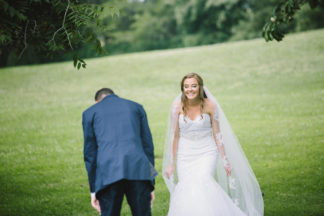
(191, 88)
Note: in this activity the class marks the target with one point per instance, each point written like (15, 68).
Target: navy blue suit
(117, 143)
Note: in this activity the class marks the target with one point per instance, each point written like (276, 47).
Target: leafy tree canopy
(283, 13)
(36, 31)
(49, 28)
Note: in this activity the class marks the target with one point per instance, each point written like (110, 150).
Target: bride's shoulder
(209, 103)
(176, 107)
(209, 106)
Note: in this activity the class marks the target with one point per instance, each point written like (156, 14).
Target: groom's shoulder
(130, 102)
(90, 110)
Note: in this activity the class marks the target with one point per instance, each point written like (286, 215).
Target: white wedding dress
(197, 193)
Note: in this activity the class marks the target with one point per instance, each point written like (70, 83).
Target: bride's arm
(175, 142)
(175, 138)
(218, 136)
(170, 169)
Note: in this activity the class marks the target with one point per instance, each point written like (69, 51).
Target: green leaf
(75, 60)
(271, 36)
(79, 65)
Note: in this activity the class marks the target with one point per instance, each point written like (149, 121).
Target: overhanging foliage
(49, 27)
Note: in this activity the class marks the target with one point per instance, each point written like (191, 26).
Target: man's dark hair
(102, 92)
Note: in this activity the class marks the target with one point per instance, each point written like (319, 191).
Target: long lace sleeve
(174, 131)
(171, 145)
(218, 136)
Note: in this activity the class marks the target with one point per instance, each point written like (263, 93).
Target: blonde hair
(202, 95)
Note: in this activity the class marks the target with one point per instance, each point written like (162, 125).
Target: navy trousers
(138, 194)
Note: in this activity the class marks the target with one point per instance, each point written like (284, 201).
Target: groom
(118, 155)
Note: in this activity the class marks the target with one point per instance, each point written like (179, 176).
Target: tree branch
(63, 27)
(283, 13)
(25, 40)
(67, 35)
(35, 26)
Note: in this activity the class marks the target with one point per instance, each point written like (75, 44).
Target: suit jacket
(117, 143)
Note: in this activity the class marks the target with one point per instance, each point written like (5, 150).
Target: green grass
(272, 94)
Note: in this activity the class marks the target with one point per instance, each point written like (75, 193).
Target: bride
(199, 182)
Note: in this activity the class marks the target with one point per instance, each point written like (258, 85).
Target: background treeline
(161, 24)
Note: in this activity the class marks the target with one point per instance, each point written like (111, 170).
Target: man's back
(123, 141)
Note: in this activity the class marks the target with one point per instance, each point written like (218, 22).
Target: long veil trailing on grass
(242, 186)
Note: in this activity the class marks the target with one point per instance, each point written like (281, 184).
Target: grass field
(272, 94)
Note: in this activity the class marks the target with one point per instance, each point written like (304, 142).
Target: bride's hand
(228, 169)
(169, 171)
(227, 166)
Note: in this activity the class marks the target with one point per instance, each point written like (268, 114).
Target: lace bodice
(195, 129)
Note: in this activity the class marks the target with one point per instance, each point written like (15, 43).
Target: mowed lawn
(272, 94)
